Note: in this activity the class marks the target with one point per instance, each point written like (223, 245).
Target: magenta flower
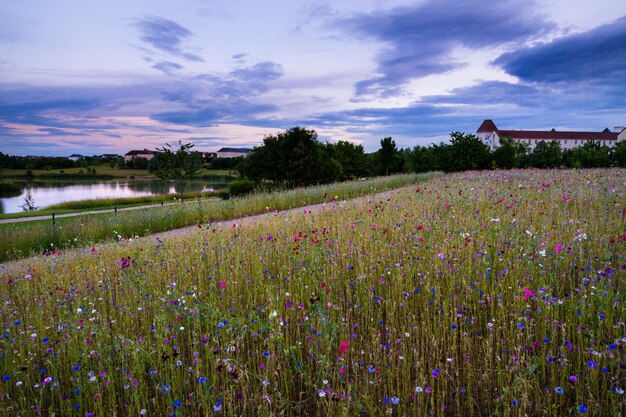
(528, 294)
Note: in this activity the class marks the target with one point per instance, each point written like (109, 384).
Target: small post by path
(115, 208)
(53, 221)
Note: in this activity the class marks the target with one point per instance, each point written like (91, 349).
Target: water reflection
(46, 193)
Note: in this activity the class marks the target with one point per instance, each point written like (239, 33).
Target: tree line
(297, 158)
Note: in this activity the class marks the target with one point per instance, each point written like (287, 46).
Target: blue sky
(107, 77)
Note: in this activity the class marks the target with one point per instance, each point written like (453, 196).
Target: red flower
(343, 347)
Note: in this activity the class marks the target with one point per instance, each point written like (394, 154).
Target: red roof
(556, 135)
(144, 152)
(489, 126)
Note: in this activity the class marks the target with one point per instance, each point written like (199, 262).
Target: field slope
(487, 293)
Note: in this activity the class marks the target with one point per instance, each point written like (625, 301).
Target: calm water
(53, 192)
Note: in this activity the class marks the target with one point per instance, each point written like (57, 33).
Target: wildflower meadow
(476, 294)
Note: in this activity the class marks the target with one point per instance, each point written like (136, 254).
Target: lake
(46, 193)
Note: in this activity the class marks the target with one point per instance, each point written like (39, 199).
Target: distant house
(75, 157)
(139, 154)
(491, 136)
(233, 152)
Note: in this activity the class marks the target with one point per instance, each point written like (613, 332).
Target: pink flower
(441, 255)
(528, 294)
(343, 347)
(223, 284)
(558, 248)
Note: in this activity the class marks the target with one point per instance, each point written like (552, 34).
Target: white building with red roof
(491, 135)
(139, 154)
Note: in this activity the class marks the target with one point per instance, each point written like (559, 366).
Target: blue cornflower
(177, 403)
(6, 378)
(582, 408)
(395, 400)
(558, 390)
(202, 380)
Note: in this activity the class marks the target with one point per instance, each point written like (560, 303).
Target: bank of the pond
(20, 240)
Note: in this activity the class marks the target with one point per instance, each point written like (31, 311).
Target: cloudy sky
(109, 76)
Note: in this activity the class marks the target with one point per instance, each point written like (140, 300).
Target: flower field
(20, 240)
(475, 294)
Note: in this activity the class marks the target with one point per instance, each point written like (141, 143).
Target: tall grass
(492, 293)
(23, 239)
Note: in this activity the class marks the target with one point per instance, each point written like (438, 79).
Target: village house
(232, 152)
(491, 136)
(139, 154)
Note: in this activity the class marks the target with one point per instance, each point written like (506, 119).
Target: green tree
(591, 155)
(351, 157)
(387, 155)
(423, 159)
(179, 165)
(619, 154)
(546, 155)
(468, 152)
(510, 154)
(293, 158)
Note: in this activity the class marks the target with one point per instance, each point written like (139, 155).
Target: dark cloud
(165, 35)
(213, 113)
(261, 72)
(596, 55)
(210, 99)
(419, 40)
(167, 67)
(239, 57)
(52, 131)
(30, 106)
